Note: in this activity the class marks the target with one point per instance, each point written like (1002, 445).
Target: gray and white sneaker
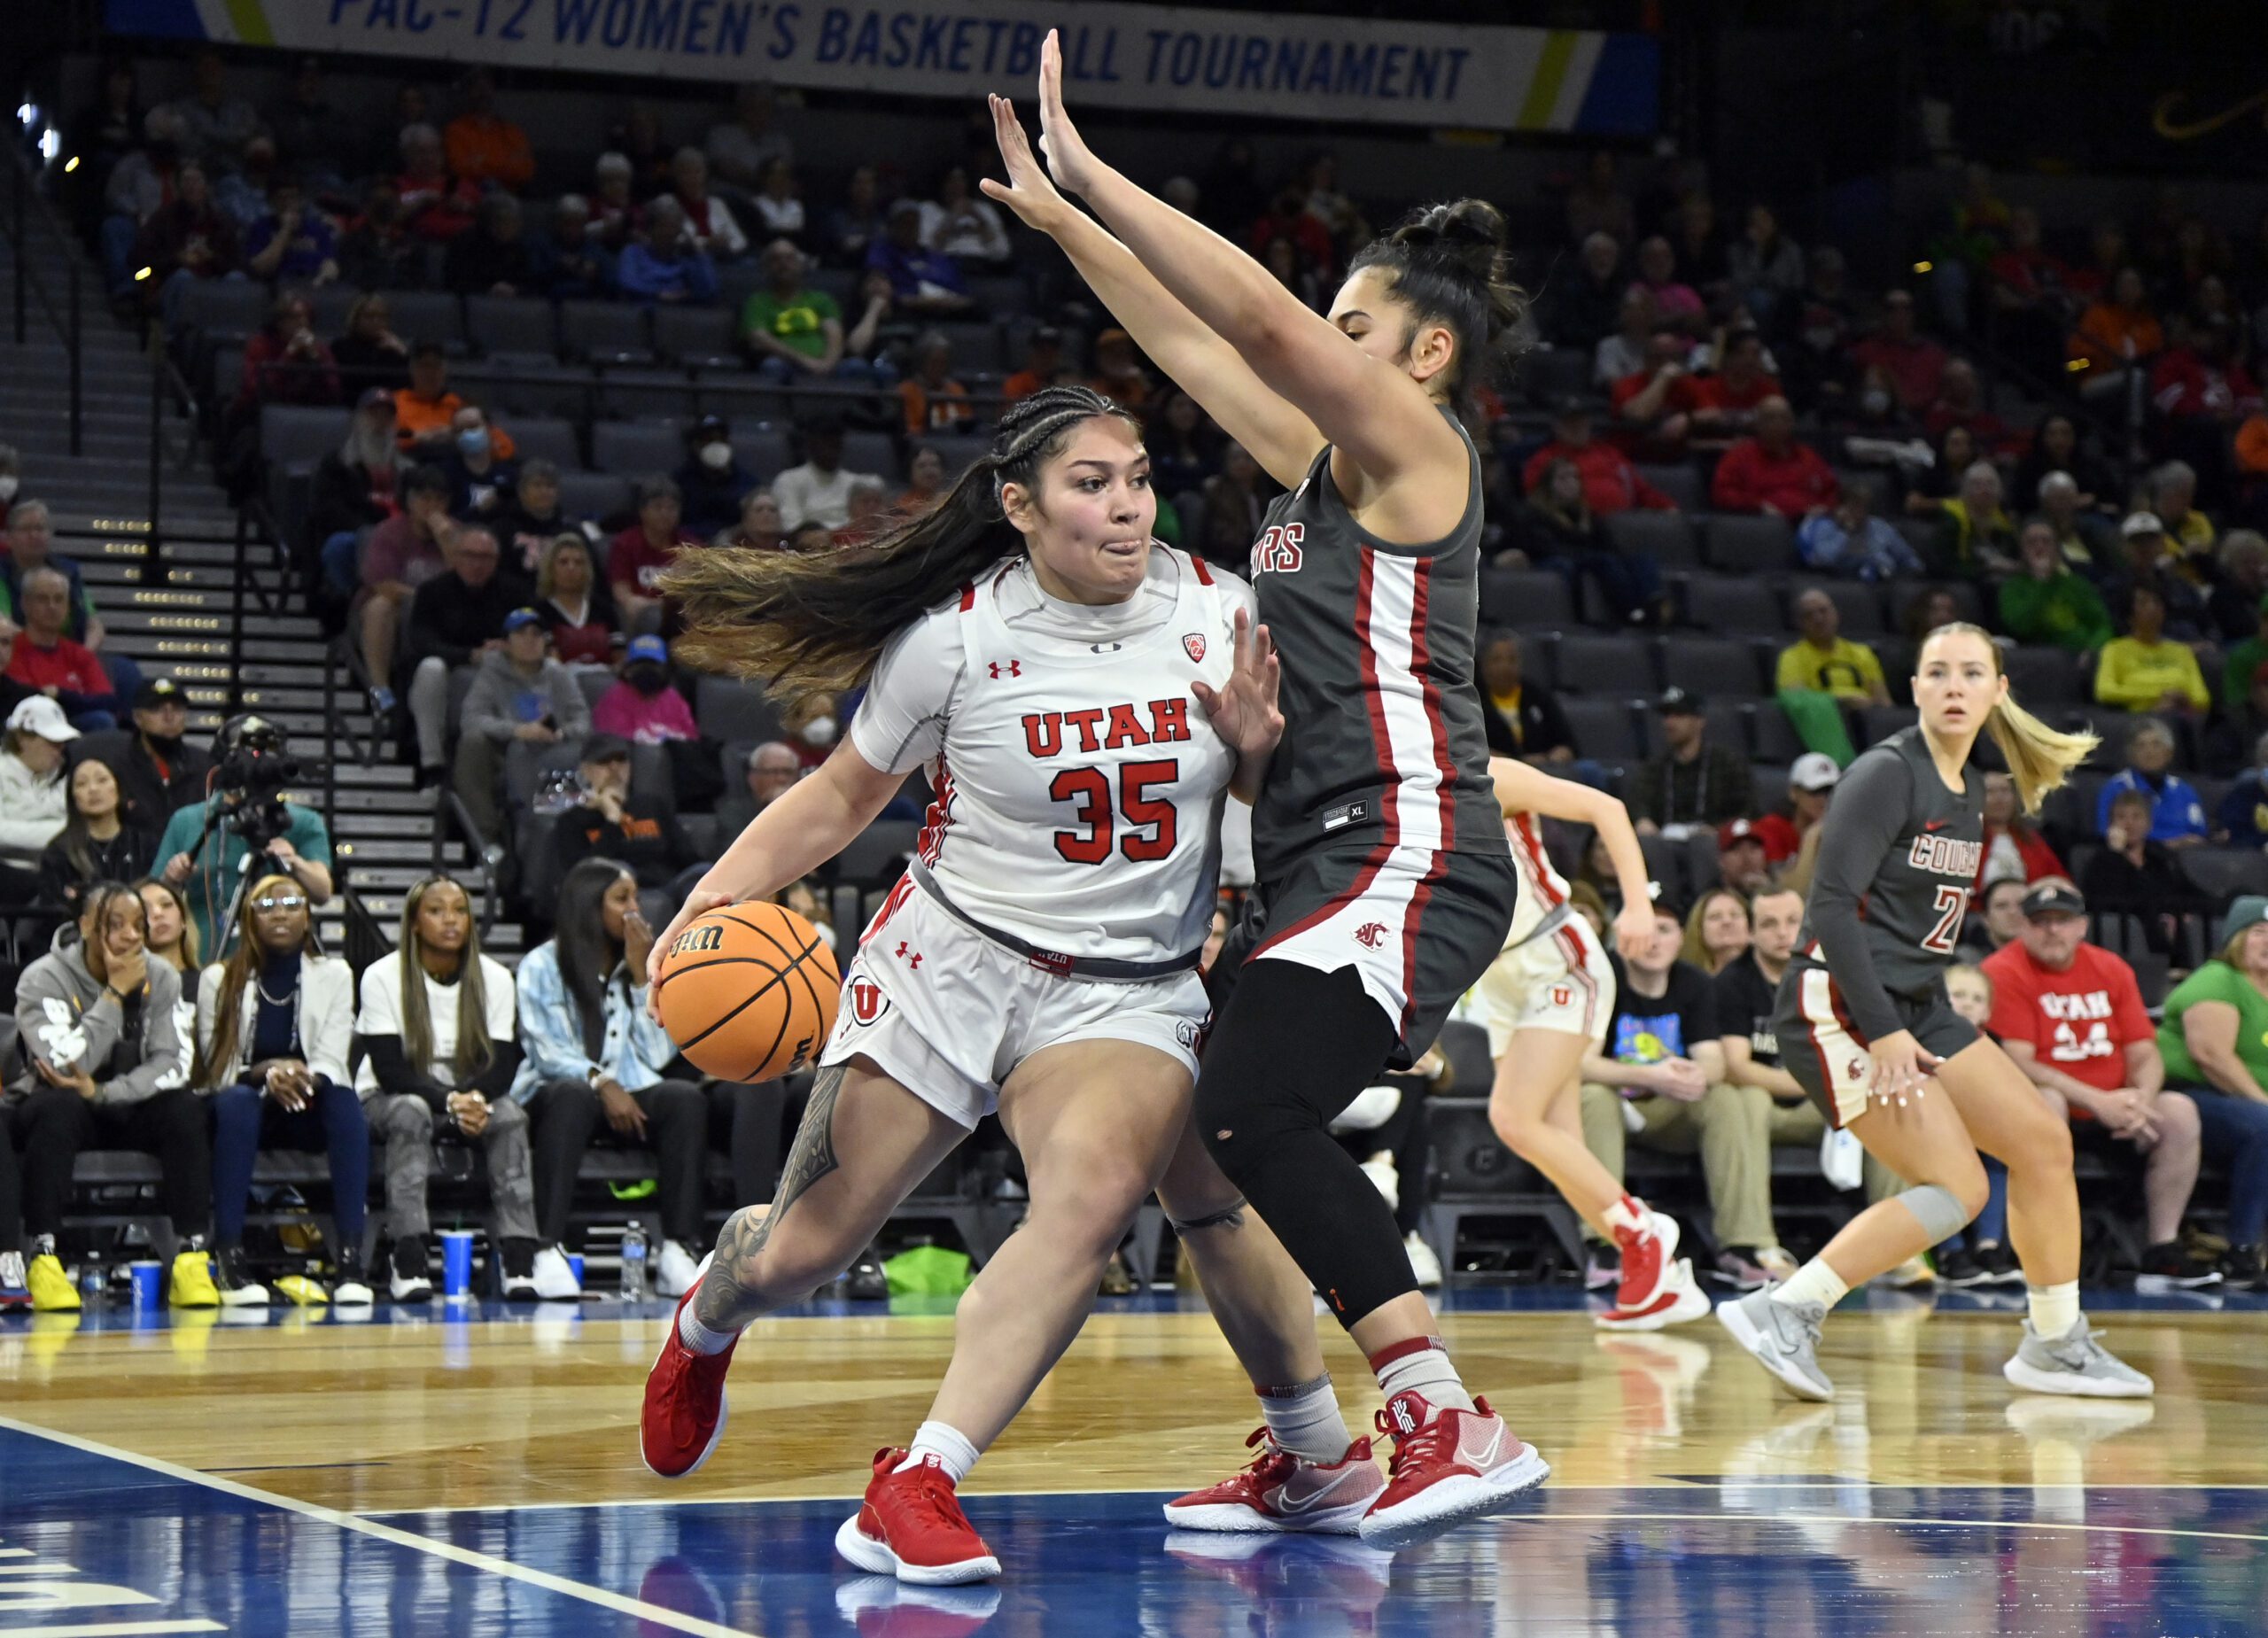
(1783, 1337)
(2074, 1363)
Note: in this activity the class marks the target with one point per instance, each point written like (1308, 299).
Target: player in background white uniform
(1544, 1001)
(1087, 697)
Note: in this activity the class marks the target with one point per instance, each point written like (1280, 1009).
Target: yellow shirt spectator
(2134, 675)
(1842, 668)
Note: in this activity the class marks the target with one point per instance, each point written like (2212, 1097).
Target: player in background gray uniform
(1865, 1026)
(1385, 880)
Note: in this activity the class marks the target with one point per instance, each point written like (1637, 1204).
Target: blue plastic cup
(149, 1285)
(575, 1265)
(456, 1263)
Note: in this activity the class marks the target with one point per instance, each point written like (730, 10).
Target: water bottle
(90, 1280)
(633, 1263)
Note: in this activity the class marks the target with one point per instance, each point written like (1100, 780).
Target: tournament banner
(1281, 64)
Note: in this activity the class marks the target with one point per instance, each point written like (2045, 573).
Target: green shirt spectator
(209, 881)
(2047, 603)
(2243, 662)
(2215, 980)
(784, 314)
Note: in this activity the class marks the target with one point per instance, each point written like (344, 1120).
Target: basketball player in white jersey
(1084, 699)
(1544, 1001)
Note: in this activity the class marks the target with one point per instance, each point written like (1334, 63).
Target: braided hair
(815, 622)
(1448, 264)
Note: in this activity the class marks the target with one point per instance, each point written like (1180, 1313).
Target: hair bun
(1467, 238)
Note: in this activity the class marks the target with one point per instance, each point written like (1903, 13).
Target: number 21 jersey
(1078, 781)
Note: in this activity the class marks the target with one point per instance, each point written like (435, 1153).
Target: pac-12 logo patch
(1194, 645)
(868, 1001)
(1370, 935)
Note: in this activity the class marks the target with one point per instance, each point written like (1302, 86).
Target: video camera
(252, 765)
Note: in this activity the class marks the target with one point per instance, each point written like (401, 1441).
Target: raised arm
(1282, 439)
(1367, 407)
(1523, 789)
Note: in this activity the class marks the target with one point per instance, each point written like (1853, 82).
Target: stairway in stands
(184, 624)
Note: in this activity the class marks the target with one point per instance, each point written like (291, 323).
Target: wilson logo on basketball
(1194, 645)
(868, 1001)
(1371, 934)
(708, 936)
(803, 1056)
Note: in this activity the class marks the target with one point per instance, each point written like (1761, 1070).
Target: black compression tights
(1292, 1048)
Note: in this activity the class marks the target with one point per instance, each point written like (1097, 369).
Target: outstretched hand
(1067, 154)
(1245, 711)
(1030, 190)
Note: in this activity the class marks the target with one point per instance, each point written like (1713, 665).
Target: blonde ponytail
(2040, 758)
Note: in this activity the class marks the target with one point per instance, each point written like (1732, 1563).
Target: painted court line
(1844, 1518)
(118, 1629)
(651, 1613)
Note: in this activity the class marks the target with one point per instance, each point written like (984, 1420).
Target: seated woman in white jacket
(31, 809)
(439, 1054)
(273, 1023)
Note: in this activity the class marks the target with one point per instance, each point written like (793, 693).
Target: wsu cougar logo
(868, 1001)
(1370, 935)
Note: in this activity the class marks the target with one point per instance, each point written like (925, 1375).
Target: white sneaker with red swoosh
(1281, 1493)
(1448, 1465)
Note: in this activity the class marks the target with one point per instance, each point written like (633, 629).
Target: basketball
(748, 993)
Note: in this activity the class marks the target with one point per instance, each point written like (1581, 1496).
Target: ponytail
(2040, 758)
(815, 622)
(1449, 262)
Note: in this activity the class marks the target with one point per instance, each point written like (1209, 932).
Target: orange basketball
(748, 993)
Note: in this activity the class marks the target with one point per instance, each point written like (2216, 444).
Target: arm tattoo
(729, 1286)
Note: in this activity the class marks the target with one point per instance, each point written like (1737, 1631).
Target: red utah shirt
(2079, 1020)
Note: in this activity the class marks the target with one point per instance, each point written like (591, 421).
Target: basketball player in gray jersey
(1386, 883)
(1865, 1027)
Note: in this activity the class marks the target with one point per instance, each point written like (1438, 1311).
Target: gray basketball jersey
(1892, 884)
(1382, 744)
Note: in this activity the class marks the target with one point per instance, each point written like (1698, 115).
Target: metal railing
(68, 323)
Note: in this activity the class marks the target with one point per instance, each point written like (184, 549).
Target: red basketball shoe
(1448, 1465)
(684, 1414)
(1649, 1259)
(911, 1526)
(1280, 1493)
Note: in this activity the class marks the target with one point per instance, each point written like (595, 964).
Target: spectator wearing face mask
(813, 727)
(713, 480)
(642, 706)
(481, 481)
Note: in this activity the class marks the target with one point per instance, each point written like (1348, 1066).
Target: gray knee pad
(1938, 1209)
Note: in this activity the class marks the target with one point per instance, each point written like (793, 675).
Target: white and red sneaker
(1649, 1261)
(911, 1526)
(1280, 1493)
(1679, 1298)
(684, 1413)
(1448, 1465)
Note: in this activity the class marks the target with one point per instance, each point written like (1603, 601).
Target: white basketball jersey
(1543, 891)
(1079, 783)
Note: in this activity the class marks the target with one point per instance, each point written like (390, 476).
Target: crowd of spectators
(1867, 438)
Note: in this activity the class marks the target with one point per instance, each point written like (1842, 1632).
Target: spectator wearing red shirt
(437, 205)
(1288, 217)
(1772, 472)
(1812, 779)
(2195, 378)
(1610, 484)
(1961, 403)
(287, 363)
(2072, 1016)
(1657, 406)
(47, 662)
(1914, 362)
(2013, 847)
(1726, 403)
(636, 557)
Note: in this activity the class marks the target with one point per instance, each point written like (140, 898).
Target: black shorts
(1822, 1048)
(1417, 936)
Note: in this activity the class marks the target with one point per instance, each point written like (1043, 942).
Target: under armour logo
(1015, 668)
(1370, 935)
(913, 960)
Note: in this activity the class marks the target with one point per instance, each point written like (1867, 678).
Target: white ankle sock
(1627, 1213)
(1426, 1369)
(1814, 1282)
(1305, 1420)
(953, 1452)
(2054, 1309)
(698, 1337)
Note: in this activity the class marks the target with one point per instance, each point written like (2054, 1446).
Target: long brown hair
(474, 1051)
(213, 1056)
(187, 944)
(815, 622)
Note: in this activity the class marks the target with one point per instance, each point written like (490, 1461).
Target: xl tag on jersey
(1351, 813)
